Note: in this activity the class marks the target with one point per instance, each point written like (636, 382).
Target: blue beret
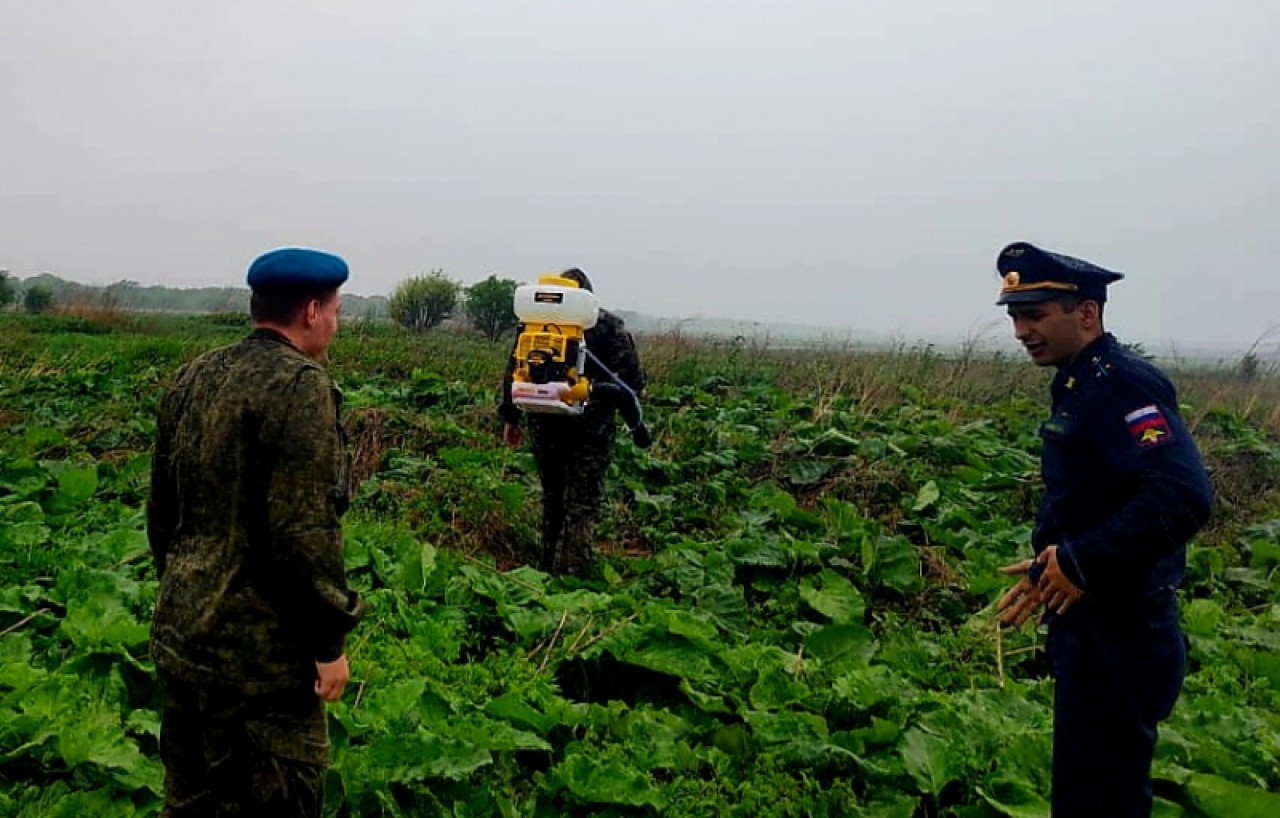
(297, 268)
(1029, 274)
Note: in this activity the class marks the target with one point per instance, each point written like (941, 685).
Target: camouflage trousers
(227, 755)
(573, 457)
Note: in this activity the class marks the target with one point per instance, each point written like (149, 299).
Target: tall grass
(870, 377)
(1235, 415)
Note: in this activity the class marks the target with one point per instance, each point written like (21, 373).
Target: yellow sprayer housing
(551, 349)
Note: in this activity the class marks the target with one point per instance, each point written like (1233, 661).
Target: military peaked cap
(1029, 274)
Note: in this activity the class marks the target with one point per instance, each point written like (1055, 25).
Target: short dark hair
(283, 306)
(1070, 302)
(576, 274)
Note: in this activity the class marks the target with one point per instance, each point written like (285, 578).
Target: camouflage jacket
(248, 482)
(609, 341)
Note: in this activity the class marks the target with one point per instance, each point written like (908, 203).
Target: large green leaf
(1161, 808)
(596, 780)
(75, 487)
(21, 511)
(927, 496)
(928, 760)
(419, 755)
(897, 566)
(1219, 798)
(101, 620)
(796, 738)
(16, 670)
(808, 472)
(41, 437)
(834, 597)
(867, 687)
(1014, 798)
(57, 801)
(515, 709)
(839, 645)
(833, 442)
(24, 535)
(1202, 617)
(776, 688)
(672, 655)
(765, 550)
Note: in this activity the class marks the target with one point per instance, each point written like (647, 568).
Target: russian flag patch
(1148, 427)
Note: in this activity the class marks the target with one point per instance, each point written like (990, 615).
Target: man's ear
(1092, 313)
(311, 314)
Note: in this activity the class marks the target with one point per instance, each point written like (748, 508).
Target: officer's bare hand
(1059, 592)
(511, 435)
(1021, 601)
(332, 678)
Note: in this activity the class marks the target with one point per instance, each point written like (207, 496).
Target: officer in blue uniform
(1124, 489)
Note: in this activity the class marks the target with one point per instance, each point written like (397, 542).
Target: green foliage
(37, 300)
(490, 306)
(422, 302)
(130, 295)
(8, 289)
(794, 616)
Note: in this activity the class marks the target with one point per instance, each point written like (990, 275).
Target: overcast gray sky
(830, 162)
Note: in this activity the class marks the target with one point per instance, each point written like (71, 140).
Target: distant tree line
(52, 291)
(418, 303)
(8, 289)
(35, 299)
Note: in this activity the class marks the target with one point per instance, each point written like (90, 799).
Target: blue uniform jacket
(1125, 487)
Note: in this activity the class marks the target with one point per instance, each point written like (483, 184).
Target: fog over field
(827, 164)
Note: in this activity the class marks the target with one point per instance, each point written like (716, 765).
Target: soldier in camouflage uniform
(249, 479)
(573, 453)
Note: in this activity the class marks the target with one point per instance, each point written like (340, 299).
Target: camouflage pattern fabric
(573, 457)
(226, 754)
(249, 479)
(573, 453)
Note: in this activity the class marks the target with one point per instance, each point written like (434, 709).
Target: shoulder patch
(1148, 427)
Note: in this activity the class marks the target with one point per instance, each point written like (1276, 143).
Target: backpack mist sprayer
(551, 356)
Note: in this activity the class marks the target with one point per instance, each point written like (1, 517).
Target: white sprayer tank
(556, 304)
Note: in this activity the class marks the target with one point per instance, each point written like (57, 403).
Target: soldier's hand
(1021, 601)
(1059, 592)
(511, 435)
(332, 678)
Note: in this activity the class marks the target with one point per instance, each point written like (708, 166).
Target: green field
(794, 620)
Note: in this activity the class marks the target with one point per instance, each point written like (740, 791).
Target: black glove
(641, 436)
